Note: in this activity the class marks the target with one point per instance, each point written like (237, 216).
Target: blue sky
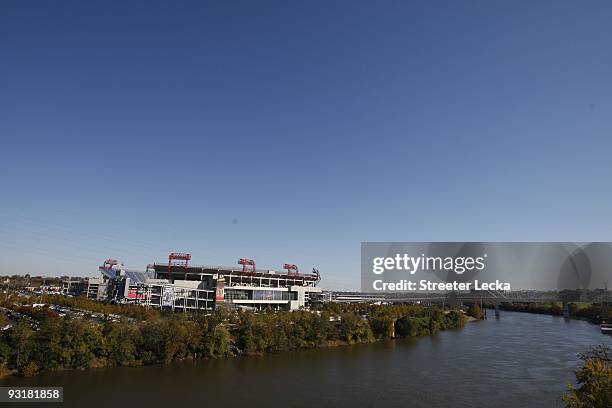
(292, 131)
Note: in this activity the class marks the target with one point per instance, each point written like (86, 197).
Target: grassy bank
(58, 343)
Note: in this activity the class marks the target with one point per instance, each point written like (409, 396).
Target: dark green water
(520, 360)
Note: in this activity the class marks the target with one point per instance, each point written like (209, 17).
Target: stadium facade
(178, 285)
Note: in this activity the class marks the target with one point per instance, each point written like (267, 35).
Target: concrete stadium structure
(177, 285)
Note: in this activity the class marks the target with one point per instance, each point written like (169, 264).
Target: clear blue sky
(292, 131)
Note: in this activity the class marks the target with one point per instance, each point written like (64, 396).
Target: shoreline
(579, 311)
(176, 338)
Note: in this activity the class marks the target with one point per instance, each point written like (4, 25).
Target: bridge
(491, 297)
(484, 296)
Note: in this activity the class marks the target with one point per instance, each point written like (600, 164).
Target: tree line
(595, 312)
(57, 343)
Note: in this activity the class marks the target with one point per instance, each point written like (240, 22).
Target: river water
(519, 360)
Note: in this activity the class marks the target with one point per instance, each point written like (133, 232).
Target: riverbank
(502, 363)
(54, 343)
(593, 312)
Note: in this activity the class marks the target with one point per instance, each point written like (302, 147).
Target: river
(519, 360)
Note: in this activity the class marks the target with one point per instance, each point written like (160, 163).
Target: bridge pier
(497, 309)
(566, 312)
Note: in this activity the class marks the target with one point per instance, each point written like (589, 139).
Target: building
(97, 288)
(74, 286)
(179, 285)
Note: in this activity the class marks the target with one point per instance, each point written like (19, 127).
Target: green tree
(594, 379)
(354, 329)
(251, 335)
(215, 342)
(20, 341)
(30, 369)
(383, 327)
(121, 341)
(474, 311)
(434, 326)
(405, 327)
